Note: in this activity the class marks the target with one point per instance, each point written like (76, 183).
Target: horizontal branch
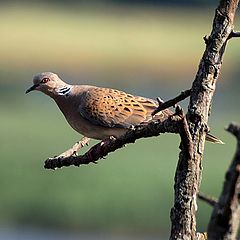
(100, 150)
(171, 102)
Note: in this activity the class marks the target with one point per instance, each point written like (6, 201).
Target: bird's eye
(44, 80)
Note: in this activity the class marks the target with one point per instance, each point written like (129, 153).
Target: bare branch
(182, 183)
(100, 150)
(225, 217)
(186, 138)
(234, 35)
(189, 171)
(206, 39)
(75, 148)
(208, 199)
(234, 129)
(163, 105)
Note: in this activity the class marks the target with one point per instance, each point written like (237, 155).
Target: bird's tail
(166, 113)
(213, 139)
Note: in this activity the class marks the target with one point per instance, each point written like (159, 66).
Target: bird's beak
(32, 88)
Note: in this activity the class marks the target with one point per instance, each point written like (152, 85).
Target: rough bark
(189, 169)
(225, 217)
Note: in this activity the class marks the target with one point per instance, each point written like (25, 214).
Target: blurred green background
(148, 48)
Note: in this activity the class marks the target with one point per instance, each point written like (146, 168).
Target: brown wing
(113, 108)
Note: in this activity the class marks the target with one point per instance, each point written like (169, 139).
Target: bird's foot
(107, 140)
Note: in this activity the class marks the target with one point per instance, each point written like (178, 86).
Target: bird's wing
(112, 108)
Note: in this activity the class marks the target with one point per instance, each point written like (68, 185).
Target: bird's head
(48, 83)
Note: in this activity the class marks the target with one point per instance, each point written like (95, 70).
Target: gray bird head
(46, 82)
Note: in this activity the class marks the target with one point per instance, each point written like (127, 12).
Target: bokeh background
(149, 48)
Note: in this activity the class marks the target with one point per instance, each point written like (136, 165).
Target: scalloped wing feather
(113, 108)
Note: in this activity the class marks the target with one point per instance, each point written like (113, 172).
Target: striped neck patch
(64, 90)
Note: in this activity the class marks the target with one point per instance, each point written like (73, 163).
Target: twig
(234, 35)
(101, 149)
(208, 199)
(206, 39)
(225, 217)
(234, 129)
(75, 148)
(163, 105)
(186, 138)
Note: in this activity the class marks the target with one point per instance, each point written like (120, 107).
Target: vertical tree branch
(189, 170)
(225, 217)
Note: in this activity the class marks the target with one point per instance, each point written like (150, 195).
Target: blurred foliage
(175, 3)
(148, 51)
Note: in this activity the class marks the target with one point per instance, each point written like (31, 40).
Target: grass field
(145, 51)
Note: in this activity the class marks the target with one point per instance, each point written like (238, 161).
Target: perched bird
(96, 112)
